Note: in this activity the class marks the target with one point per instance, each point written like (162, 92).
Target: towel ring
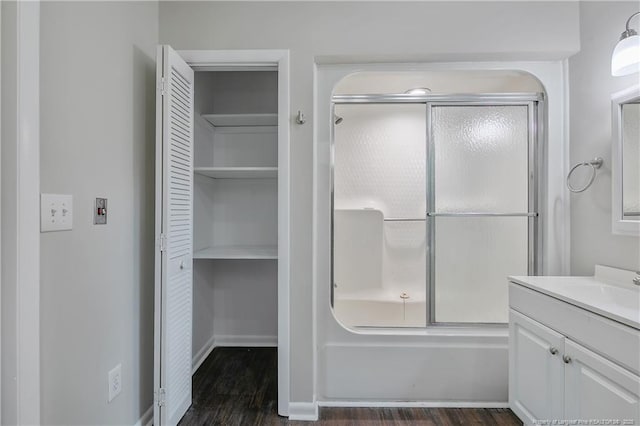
(595, 164)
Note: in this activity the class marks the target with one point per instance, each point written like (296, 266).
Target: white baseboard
(303, 411)
(146, 419)
(413, 404)
(258, 341)
(202, 354)
(242, 341)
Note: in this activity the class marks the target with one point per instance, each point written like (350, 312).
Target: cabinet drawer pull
(553, 350)
(566, 359)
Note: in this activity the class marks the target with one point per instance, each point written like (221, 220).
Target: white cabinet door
(597, 389)
(536, 376)
(174, 222)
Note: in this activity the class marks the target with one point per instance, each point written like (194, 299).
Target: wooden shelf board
(239, 120)
(237, 252)
(238, 172)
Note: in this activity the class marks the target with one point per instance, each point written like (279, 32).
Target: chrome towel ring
(595, 164)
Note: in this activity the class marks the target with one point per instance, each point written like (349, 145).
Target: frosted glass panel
(481, 157)
(474, 256)
(379, 175)
(631, 160)
(379, 159)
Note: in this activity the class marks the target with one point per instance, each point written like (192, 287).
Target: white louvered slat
(177, 225)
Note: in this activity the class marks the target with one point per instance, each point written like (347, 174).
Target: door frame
(23, 174)
(260, 60)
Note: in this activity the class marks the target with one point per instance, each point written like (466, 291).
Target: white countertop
(609, 293)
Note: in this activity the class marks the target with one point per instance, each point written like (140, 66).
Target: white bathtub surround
(574, 347)
(459, 365)
(379, 270)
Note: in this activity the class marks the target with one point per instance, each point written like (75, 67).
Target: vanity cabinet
(566, 363)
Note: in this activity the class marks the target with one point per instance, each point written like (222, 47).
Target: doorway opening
(222, 216)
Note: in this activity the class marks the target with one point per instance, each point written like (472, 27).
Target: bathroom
(400, 347)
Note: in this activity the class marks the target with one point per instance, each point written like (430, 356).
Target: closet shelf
(237, 252)
(238, 120)
(237, 172)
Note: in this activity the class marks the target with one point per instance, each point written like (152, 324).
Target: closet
(235, 210)
(222, 214)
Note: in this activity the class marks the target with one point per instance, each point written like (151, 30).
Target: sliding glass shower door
(434, 205)
(479, 198)
(379, 205)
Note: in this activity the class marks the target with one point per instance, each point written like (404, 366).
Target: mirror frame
(620, 226)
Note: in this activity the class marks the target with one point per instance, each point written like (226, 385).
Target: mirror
(626, 161)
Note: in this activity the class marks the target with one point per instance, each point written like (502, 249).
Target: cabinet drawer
(611, 339)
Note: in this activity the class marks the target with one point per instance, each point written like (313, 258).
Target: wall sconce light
(626, 55)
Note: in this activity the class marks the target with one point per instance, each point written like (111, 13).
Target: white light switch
(56, 212)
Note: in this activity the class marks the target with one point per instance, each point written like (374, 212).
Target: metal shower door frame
(535, 132)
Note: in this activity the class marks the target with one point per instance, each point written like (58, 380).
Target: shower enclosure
(434, 204)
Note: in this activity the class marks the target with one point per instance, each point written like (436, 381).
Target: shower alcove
(427, 200)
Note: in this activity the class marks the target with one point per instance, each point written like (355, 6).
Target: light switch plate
(56, 212)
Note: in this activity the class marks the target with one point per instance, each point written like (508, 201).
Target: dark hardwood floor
(238, 386)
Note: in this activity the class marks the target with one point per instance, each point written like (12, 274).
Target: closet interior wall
(235, 210)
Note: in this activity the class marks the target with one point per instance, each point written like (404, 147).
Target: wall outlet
(115, 382)
(100, 212)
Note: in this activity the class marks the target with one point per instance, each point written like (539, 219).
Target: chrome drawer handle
(553, 350)
(566, 359)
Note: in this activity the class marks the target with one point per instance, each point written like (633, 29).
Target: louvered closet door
(174, 293)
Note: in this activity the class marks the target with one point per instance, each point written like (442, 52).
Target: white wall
(359, 32)
(98, 121)
(591, 86)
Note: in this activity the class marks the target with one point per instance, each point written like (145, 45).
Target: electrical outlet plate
(100, 212)
(115, 382)
(56, 212)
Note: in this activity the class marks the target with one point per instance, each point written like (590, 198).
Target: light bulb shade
(626, 56)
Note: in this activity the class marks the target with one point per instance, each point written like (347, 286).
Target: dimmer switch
(100, 212)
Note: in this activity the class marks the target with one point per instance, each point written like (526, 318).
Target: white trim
(314, 236)
(146, 419)
(27, 244)
(413, 404)
(284, 239)
(303, 411)
(565, 196)
(255, 59)
(202, 354)
(619, 225)
(231, 341)
(0, 211)
(246, 341)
